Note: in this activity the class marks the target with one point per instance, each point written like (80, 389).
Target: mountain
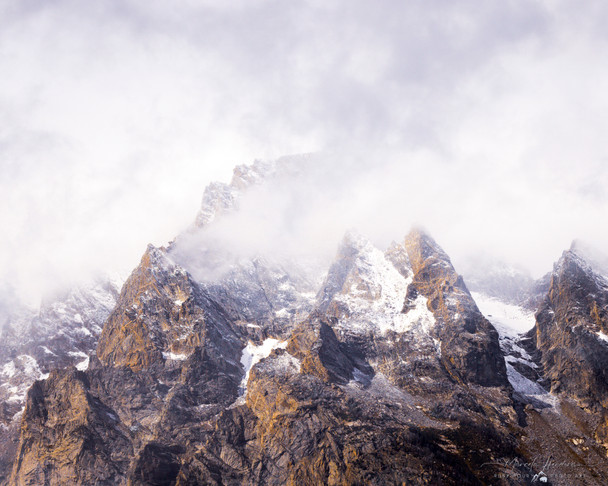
(379, 367)
(571, 335)
(182, 392)
(62, 332)
(220, 198)
(556, 363)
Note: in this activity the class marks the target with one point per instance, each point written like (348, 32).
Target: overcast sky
(114, 115)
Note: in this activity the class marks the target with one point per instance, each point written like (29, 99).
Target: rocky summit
(381, 368)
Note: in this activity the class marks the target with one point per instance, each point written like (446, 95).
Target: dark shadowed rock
(320, 353)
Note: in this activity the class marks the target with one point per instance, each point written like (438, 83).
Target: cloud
(303, 215)
(482, 120)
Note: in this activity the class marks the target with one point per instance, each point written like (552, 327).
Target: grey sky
(114, 115)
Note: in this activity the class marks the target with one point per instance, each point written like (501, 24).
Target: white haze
(482, 121)
(303, 215)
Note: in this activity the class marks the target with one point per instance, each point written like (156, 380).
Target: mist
(481, 121)
(301, 213)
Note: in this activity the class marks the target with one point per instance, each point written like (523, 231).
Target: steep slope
(333, 405)
(549, 368)
(62, 413)
(571, 334)
(386, 302)
(220, 198)
(264, 296)
(167, 354)
(469, 343)
(63, 332)
(512, 323)
(263, 293)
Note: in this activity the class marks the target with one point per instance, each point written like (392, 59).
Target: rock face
(220, 198)
(63, 332)
(167, 354)
(555, 363)
(571, 333)
(155, 316)
(89, 445)
(469, 343)
(316, 346)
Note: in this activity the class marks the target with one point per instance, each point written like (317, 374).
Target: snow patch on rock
(602, 336)
(529, 388)
(253, 354)
(83, 365)
(511, 322)
(174, 356)
(9, 369)
(375, 295)
(522, 384)
(17, 375)
(419, 317)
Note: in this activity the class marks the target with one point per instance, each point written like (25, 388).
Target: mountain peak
(571, 325)
(422, 250)
(469, 343)
(220, 198)
(244, 176)
(591, 256)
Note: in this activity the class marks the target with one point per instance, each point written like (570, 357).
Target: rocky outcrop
(62, 332)
(220, 198)
(469, 343)
(299, 428)
(68, 436)
(167, 359)
(264, 298)
(315, 345)
(140, 329)
(162, 317)
(384, 373)
(571, 333)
